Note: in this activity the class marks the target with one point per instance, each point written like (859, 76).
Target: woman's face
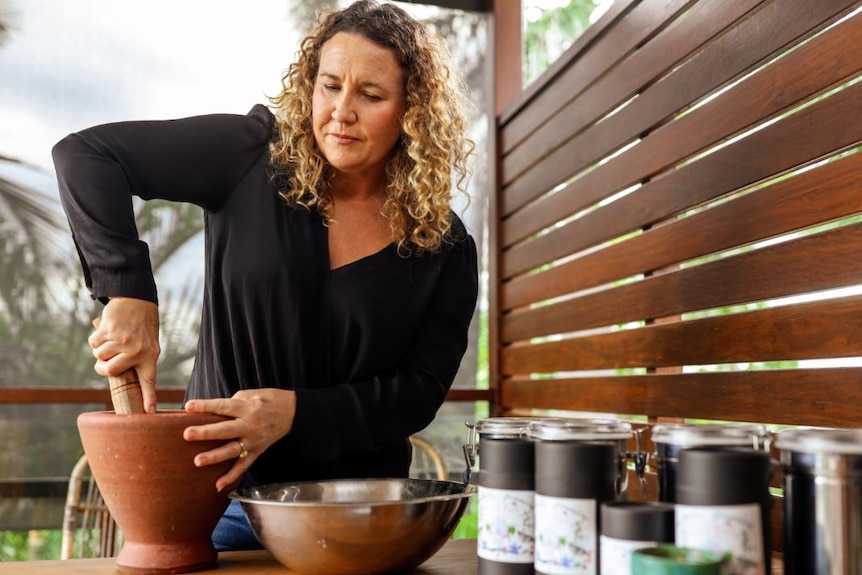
(357, 105)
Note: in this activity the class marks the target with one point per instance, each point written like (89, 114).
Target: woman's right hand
(127, 337)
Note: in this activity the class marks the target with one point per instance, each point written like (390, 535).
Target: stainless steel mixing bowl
(355, 526)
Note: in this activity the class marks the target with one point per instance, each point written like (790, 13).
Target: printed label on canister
(616, 554)
(506, 525)
(724, 528)
(566, 538)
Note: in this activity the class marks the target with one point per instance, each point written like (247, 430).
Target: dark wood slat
(772, 272)
(459, 394)
(773, 94)
(507, 74)
(813, 197)
(75, 395)
(823, 329)
(585, 64)
(492, 261)
(31, 514)
(466, 5)
(35, 487)
(10, 395)
(693, 28)
(782, 146)
(816, 397)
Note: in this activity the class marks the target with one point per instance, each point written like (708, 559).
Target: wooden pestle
(125, 389)
(126, 393)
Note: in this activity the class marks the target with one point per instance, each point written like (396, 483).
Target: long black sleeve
(198, 160)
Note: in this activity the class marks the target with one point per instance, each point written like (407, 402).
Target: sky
(69, 65)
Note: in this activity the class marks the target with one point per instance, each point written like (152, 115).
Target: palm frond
(180, 326)
(167, 227)
(32, 247)
(8, 19)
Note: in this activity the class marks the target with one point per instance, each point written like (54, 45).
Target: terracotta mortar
(165, 507)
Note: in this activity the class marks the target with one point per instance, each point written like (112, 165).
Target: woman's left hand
(260, 418)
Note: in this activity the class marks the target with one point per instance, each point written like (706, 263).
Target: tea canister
(506, 524)
(723, 505)
(669, 439)
(579, 464)
(822, 479)
(630, 525)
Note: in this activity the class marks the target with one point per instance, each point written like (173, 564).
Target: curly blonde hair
(432, 152)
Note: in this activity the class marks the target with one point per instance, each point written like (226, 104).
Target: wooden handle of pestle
(126, 393)
(125, 389)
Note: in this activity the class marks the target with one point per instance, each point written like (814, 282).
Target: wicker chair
(427, 461)
(88, 528)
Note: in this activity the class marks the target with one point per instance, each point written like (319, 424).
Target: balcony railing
(29, 503)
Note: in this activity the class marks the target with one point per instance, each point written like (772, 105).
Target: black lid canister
(507, 463)
(580, 463)
(506, 453)
(723, 476)
(651, 521)
(506, 515)
(577, 469)
(723, 504)
(581, 458)
(630, 525)
(671, 438)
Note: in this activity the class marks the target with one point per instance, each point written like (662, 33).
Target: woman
(339, 284)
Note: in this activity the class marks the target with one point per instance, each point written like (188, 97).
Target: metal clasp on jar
(471, 450)
(640, 457)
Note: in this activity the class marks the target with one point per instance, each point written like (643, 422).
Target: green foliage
(482, 360)
(468, 528)
(552, 34)
(30, 545)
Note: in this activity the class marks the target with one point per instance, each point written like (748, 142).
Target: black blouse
(371, 348)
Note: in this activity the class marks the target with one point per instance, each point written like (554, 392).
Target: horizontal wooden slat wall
(679, 218)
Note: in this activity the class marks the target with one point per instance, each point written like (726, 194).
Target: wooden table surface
(457, 557)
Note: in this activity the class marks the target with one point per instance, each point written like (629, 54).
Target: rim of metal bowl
(468, 491)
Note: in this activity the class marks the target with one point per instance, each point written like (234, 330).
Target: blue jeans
(233, 531)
